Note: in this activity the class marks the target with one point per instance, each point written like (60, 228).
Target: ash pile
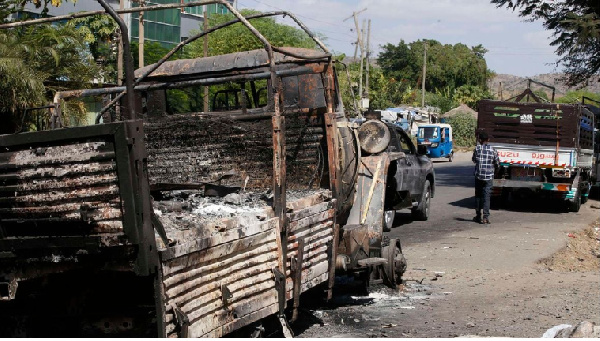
(209, 211)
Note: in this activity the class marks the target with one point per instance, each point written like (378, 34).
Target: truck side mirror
(421, 149)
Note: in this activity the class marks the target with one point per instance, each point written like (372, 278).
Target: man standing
(485, 159)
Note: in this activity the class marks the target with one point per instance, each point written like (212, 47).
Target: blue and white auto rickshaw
(437, 138)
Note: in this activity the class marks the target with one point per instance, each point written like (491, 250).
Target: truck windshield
(428, 132)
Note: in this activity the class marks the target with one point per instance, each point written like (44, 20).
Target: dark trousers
(483, 191)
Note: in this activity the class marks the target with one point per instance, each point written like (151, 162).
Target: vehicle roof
(442, 125)
(232, 61)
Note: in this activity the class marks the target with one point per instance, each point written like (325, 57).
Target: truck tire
(584, 198)
(421, 212)
(575, 204)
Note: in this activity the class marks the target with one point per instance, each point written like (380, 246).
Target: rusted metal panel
(311, 226)
(254, 59)
(197, 149)
(62, 192)
(364, 229)
(542, 124)
(194, 282)
(304, 91)
(58, 184)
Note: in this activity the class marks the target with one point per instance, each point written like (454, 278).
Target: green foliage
(470, 95)
(574, 97)
(384, 92)
(153, 52)
(441, 99)
(101, 33)
(542, 94)
(463, 129)
(37, 61)
(237, 38)
(576, 27)
(448, 66)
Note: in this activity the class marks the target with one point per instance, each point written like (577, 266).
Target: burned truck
(196, 224)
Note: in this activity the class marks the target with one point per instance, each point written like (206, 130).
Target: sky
(515, 46)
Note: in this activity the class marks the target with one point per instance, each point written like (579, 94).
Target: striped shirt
(485, 157)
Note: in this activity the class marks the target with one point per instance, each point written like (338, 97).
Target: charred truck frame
(111, 228)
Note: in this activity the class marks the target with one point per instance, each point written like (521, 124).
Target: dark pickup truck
(411, 181)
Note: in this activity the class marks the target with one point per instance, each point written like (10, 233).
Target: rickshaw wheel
(451, 156)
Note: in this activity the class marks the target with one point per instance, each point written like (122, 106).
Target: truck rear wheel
(575, 204)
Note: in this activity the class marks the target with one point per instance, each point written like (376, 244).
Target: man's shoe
(477, 219)
(485, 221)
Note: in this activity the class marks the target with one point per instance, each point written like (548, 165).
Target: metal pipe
(295, 55)
(120, 11)
(196, 37)
(127, 57)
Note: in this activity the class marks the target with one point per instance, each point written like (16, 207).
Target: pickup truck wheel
(421, 212)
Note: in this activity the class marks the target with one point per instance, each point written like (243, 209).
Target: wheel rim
(427, 198)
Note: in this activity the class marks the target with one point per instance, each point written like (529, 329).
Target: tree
(101, 33)
(237, 38)
(448, 66)
(153, 52)
(463, 129)
(470, 95)
(384, 92)
(37, 61)
(576, 31)
(574, 97)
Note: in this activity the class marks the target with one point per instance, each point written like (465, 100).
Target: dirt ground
(522, 275)
(560, 289)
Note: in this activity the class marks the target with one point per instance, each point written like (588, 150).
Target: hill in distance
(514, 85)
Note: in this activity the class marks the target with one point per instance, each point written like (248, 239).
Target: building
(167, 27)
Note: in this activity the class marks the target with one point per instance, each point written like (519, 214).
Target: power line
(521, 54)
(309, 18)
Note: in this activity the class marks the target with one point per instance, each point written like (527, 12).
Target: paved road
(453, 207)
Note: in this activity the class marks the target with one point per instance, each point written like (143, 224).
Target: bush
(463, 129)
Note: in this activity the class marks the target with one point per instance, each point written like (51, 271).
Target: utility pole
(368, 54)
(424, 73)
(141, 35)
(205, 99)
(359, 44)
(500, 91)
(360, 72)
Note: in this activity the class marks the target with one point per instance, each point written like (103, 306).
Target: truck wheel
(388, 220)
(451, 156)
(421, 212)
(575, 204)
(584, 198)
(396, 265)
